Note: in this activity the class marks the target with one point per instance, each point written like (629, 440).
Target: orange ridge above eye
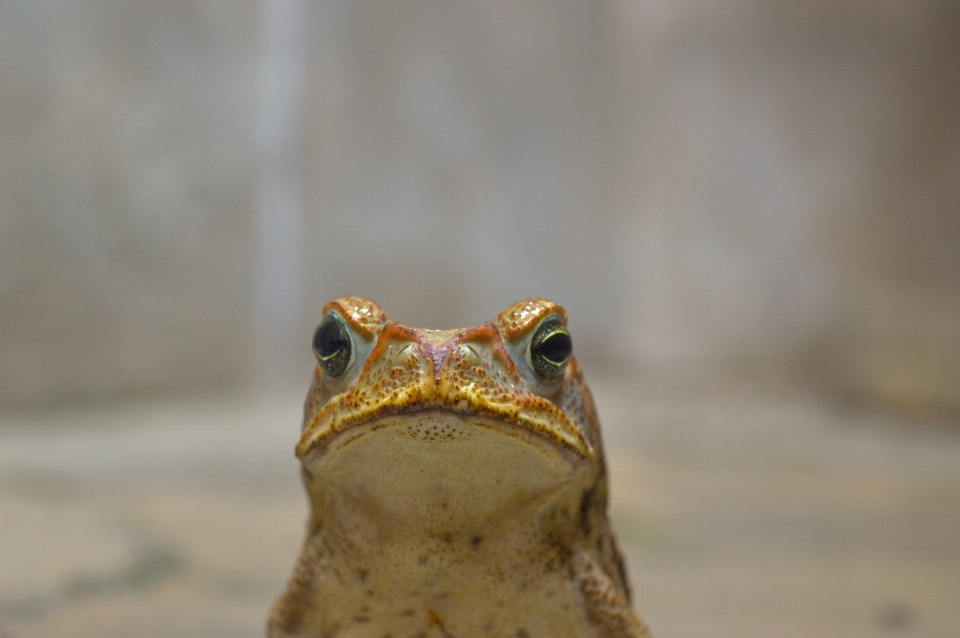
(524, 315)
(365, 316)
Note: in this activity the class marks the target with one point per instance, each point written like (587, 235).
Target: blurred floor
(741, 516)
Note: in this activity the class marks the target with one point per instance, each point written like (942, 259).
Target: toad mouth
(344, 430)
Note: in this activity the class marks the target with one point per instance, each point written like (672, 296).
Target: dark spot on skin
(476, 540)
(370, 592)
(522, 633)
(434, 620)
(406, 612)
(447, 538)
(362, 573)
(586, 503)
(622, 569)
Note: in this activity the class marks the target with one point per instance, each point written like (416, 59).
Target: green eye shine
(550, 349)
(332, 346)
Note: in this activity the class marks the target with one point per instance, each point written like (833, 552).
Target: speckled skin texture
(453, 492)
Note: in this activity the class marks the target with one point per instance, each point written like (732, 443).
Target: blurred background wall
(715, 190)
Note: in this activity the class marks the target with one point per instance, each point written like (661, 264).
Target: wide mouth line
(556, 441)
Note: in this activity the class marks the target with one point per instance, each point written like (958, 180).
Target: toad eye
(332, 346)
(550, 349)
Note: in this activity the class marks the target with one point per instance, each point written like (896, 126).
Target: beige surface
(741, 516)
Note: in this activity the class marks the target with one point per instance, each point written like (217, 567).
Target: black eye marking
(550, 349)
(331, 344)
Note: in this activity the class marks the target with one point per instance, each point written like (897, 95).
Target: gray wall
(713, 189)
(126, 198)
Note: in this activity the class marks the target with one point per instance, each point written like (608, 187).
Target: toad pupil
(331, 344)
(555, 348)
(550, 349)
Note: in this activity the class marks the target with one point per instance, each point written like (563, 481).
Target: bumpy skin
(453, 493)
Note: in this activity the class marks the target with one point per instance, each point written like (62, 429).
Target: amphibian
(457, 485)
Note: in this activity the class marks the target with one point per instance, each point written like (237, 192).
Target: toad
(457, 485)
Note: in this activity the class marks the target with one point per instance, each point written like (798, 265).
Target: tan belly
(439, 589)
(436, 524)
